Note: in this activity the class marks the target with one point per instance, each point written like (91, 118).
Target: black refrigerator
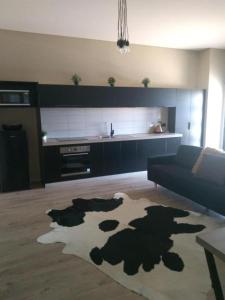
(14, 162)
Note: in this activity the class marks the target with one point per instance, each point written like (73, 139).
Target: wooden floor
(32, 271)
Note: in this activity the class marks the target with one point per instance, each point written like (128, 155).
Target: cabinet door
(189, 116)
(111, 158)
(145, 97)
(52, 164)
(196, 118)
(96, 156)
(183, 109)
(163, 97)
(172, 145)
(147, 148)
(128, 156)
(76, 96)
(97, 96)
(55, 95)
(127, 97)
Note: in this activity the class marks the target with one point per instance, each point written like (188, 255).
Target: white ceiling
(185, 24)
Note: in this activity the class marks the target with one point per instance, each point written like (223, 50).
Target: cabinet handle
(189, 125)
(76, 154)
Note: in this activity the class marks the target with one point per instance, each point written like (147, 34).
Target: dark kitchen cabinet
(146, 148)
(161, 97)
(196, 126)
(52, 164)
(145, 97)
(172, 145)
(111, 158)
(183, 103)
(189, 116)
(129, 156)
(75, 96)
(96, 158)
(103, 96)
(95, 96)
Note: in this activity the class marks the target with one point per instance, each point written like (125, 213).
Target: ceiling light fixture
(123, 35)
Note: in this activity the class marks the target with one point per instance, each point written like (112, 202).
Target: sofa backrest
(187, 156)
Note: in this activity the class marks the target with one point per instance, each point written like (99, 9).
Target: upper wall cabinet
(98, 96)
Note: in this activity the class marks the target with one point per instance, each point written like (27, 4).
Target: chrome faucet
(111, 131)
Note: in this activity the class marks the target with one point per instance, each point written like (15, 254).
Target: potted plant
(145, 82)
(44, 135)
(111, 81)
(76, 79)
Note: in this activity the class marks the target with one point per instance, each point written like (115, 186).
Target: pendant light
(123, 35)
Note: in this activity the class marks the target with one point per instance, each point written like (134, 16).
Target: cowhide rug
(146, 247)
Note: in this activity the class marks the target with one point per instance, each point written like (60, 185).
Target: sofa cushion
(212, 169)
(187, 156)
(207, 150)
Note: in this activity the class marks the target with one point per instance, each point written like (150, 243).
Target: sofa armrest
(161, 159)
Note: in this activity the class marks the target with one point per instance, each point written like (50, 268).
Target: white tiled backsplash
(77, 122)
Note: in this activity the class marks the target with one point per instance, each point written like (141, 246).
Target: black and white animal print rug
(146, 247)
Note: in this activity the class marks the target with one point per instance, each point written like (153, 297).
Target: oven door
(75, 164)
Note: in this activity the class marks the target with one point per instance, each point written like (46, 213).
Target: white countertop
(116, 138)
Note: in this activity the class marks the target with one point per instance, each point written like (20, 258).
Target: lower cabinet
(96, 154)
(129, 156)
(172, 145)
(111, 157)
(52, 164)
(148, 148)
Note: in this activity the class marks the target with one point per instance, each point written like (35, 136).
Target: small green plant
(43, 133)
(146, 82)
(76, 79)
(111, 81)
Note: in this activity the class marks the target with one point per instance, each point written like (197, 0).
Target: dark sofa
(174, 172)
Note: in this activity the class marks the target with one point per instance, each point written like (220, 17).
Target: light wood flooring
(32, 271)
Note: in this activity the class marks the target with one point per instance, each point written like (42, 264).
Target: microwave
(15, 97)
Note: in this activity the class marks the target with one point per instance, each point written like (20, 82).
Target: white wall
(53, 59)
(203, 69)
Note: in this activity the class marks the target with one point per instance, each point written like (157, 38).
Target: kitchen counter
(116, 138)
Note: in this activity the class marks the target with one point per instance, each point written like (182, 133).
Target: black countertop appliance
(14, 159)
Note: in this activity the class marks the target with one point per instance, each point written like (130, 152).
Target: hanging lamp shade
(123, 34)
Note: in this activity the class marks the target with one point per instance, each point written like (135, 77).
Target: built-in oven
(14, 97)
(75, 160)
